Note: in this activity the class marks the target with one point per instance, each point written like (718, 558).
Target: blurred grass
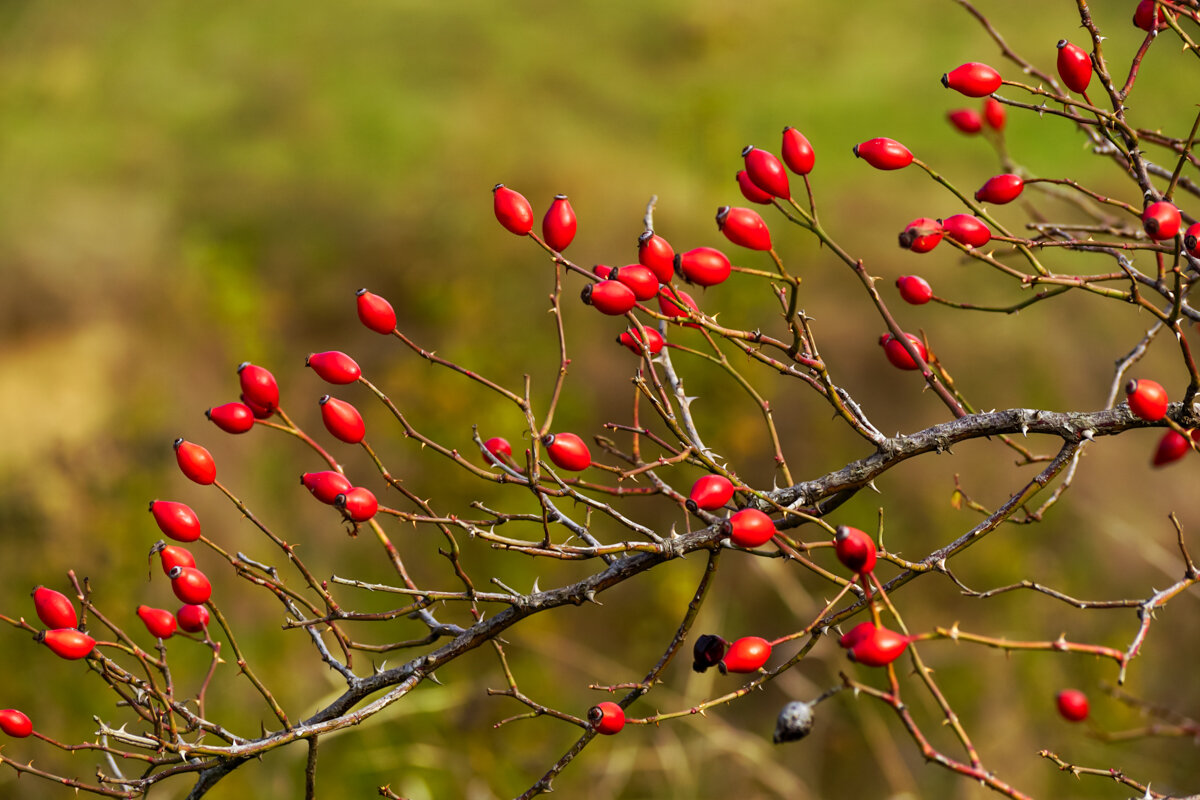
(186, 187)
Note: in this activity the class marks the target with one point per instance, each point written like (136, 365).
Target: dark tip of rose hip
(586, 294)
(946, 81)
(722, 213)
(560, 197)
(323, 400)
(242, 366)
(746, 150)
(497, 186)
(177, 442)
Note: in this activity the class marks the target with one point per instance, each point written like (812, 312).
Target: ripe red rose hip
(567, 451)
(158, 621)
(1147, 399)
(914, 289)
(342, 420)
(190, 585)
(195, 462)
(172, 556)
(882, 153)
(67, 643)
(260, 412)
(967, 120)
(747, 654)
(921, 235)
(633, 340)
(1191, 240)
(1149, 16)
(640, 279)
(972, 79)
(512, 210)
(499, 448)
(766, 172)
(1161, 220)
(711, 492)
(898, 355)
(797, 152)
(176, 520)
(994, 114)
(54, 609)
(677, 303)
(749, 528)
(359, 504)
(558, 226)
(1000, 189)
(1171, 447)
(855, 549)
(14, 723)
(334, 366)
(606, 718)
(326, 485)
(878, 648)
(706, 266)
(231, 417)
(375, 312)
(1074, 66)
(744, 227)
(609, 297)
(1072, 705)
(967, 230)
(258, 385)
(750, 191)
(656, 253)
(192, 618)
(861, 631)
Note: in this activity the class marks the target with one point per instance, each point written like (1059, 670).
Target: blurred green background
(184, 187)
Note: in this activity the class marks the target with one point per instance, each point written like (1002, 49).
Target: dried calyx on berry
(708, 652)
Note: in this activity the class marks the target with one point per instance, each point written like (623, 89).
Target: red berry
(750, 191)
(914, 289)
(967, 230)
(711, 492)
(558, 226)
(967, 120)
(258, 385)
(1000, 189)
(1171, 447)
(744, 227)
(1147, 399)
(1149, 15)
(1074, 66)
(633, 340)
(797, 152)
(883, 153)
(67, 643)
(260, 412)
(232, 417)
(327, 485)
(878, 648)
(1161, 220)
(766, 172)
(609, 297)
(972, 79)
(606, 718)
(994, 113)
(921, 235)
(705, 266)
(678, 303)
(15, 724)
(159, 621)
(656, 253)
(359, 504)
(172, 556)
(898, 355)
(512, 210)
(500, 449)
(54, 609)
(334, 366)
(342, 420)
(749, 528)
(1072, 705)
(190, 585)
(567, 451)
(858, 633)
(640, 279)
(1191, 240)
(375, 312)
(195, 462)
(855, 549)
(747, 654)
(176, 520)
(192, 618)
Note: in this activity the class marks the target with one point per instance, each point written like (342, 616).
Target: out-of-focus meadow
(186, 186)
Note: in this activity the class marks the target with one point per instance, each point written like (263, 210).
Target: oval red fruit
(898, 355)
(1149, 16)
(994, 114)
(260, 412)
(558, 226)
(656, 253)
(567, 451)
(749, 528)
(711, 492)
(921, 235)
(1191, 240)
(54, 609)
(14, 723)
(232, 417)
(176, 520)
(878, 648)
(914, 289)
(158, 621)
(704, 266)
(190, 585)
(766, 172)
(967, 120)
(606, 718)
(883, 153)
(967, 230)
(797, 152)
(1072, 705)
(326, 485)
(1000, 189)
(609, 297)
(512, 210)
(633, 340)
(972, 79)
(1171, 447)
(67, 643)
(640, 279)
(855, 549)
(258, 385)
(359, 504)
(747, 654)
(192, 618)
(1074, 66)
(1161, 220)
(1147, 399)
(342, 420)
(679, 304)
(750, 191)
(744, 227)
(499, 448)
(172, 556)
(334, 366)
(195, 462)
(858, 633)
(375, 312)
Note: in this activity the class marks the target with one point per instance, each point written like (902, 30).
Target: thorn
(871, 485)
